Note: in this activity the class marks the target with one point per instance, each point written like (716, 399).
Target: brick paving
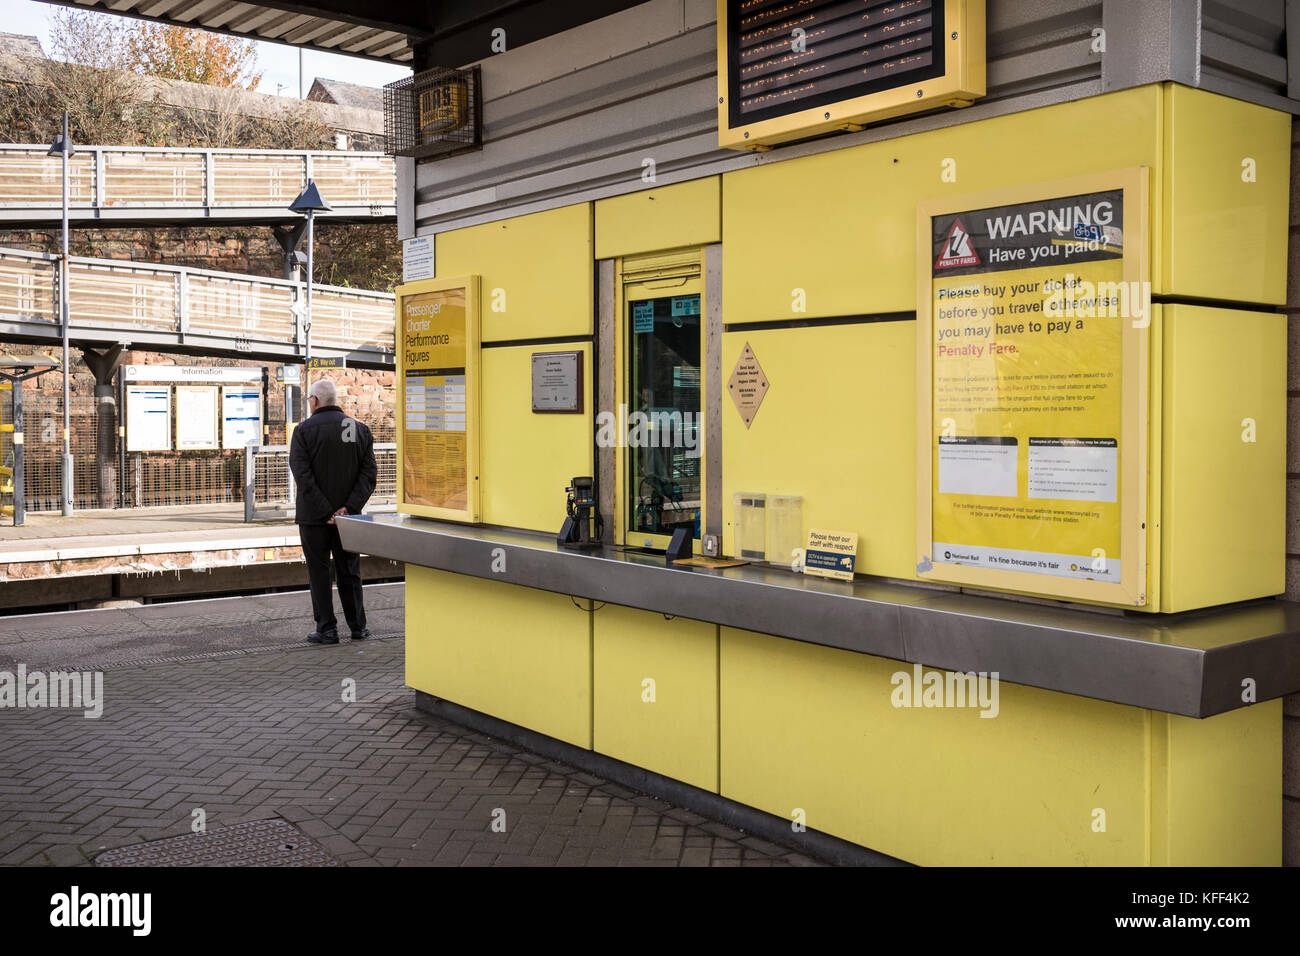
(255, 735)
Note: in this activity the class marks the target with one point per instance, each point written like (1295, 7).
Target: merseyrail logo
(958, 250)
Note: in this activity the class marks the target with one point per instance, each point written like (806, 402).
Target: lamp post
(62, 146)
(309, 202)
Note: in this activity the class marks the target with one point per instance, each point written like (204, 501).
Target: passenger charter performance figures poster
(435, 456)
(1027, 336)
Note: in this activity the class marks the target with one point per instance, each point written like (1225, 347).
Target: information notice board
(438, 396)
(1034, 309)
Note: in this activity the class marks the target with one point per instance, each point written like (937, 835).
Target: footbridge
(129, 185)
(194, 311)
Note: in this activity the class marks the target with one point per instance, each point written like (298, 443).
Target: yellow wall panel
(1223, 497)
(513, 652)
(1227, 181)
(537, 272)
(812, 728)
(1225, 788)
(676, 734)
(841, 225)
(836, 426)
(528, 459)
(688, 214)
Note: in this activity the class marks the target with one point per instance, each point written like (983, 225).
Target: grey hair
(325, 391)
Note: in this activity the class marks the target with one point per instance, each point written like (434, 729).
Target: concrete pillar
(104, 365)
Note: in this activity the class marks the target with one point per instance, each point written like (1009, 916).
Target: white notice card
(978, 466)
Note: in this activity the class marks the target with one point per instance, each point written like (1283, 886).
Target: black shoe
(361, 635)
(323, 637)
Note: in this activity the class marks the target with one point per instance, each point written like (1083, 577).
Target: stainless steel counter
(1191, 664)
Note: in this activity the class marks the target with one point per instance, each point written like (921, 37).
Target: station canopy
(449, 32)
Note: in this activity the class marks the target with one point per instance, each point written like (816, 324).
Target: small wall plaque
(557, 382)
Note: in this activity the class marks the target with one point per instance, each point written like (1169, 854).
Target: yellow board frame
(1131, 590)
(962, 82)
(473, 403)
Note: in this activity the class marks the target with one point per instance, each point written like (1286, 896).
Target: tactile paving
(259, 843)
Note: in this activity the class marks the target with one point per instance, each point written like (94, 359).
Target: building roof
(347, 94)
(16, 44)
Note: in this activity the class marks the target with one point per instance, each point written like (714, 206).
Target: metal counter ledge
(1192, 664)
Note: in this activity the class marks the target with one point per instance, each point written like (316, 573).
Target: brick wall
(252, 250)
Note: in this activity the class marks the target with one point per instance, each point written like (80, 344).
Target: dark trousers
(319, 543)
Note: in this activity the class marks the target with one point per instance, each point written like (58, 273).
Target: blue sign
(643, 316)
(685, 305)
(829, 561)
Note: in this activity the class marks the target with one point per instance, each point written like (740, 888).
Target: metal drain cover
(260, 843)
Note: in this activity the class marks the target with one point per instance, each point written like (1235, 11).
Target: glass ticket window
(663, 463)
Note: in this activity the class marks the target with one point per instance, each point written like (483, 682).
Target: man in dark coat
(332, 458)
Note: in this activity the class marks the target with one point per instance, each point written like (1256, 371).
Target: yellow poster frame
(1131, 590)
(473, 405)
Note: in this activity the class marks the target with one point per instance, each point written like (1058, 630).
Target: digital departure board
(788, 69)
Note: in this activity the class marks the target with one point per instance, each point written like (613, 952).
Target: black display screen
(785, 56)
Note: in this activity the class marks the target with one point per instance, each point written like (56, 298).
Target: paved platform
(41, 556)
(246, 734)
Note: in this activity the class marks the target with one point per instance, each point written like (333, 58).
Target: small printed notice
(1074, 469)
(241, 416)
(643, 317)
(747, 385)
(148, 418)
(684, 305)
(417, 259)
(557, 381)
(831, 554)
(196, 417)
(978, 466)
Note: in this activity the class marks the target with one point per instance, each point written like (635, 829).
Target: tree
(196, 56)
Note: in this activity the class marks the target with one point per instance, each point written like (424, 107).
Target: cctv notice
(1028, 305)
(434, 439)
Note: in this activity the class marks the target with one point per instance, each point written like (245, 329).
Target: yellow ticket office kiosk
(1137, 726)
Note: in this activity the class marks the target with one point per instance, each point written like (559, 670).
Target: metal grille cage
(435, 113)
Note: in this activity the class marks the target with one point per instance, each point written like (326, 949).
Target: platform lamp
(62, 146)
(309, 202)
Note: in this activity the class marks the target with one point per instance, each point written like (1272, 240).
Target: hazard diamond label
(958, 250)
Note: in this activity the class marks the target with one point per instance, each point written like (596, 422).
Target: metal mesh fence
(184, 478)
(435, 113)
(43, 451)
(271, 476)
(159, 478)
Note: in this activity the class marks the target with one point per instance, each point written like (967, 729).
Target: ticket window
(662, 463)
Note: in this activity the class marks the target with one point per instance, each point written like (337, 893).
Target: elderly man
(332, 458)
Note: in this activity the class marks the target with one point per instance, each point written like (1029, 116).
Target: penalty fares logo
(958, 250)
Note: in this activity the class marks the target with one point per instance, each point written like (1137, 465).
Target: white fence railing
(106, 293)
(121, 177)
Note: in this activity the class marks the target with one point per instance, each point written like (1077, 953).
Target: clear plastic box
(750, 517)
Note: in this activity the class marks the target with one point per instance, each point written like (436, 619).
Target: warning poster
(435, 396)
(1029, 309)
